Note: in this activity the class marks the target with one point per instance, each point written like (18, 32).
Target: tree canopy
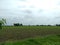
(2, 22)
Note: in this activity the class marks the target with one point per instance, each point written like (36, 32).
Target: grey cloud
(32, 6)
(41, 10)
(57, 17)
(27, 11)
(21, 6)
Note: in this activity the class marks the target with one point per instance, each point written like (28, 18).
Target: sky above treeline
(30, 12)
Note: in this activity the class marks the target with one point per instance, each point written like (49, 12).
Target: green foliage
(2, 22)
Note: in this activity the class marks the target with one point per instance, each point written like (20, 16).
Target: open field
(47, 40)
(12, 33)
(22, 32)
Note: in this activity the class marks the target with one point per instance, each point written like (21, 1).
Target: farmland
(48, 40)
(13, 33)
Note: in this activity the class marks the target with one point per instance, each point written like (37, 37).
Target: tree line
(3, 21)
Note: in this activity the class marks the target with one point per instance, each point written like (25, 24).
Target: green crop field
(19, 35)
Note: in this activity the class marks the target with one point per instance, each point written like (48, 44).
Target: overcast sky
(30, 11)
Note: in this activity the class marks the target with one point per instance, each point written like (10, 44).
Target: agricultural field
(30, 35)
(47, 40)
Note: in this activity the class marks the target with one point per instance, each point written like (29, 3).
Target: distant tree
(21, 25)
(48, 25)
(37, 25)
(2, 22)
(17, 24)
(57, 24)
(41, 25)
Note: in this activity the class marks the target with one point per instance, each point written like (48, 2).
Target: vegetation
(17, 24)
(23, 32)
(2, 22)
(30, 35)
(47, 40)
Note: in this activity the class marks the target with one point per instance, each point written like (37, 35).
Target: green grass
(23, 32)
(47, 40)
(30, 35)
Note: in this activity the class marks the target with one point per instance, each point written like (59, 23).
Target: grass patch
(47, 40)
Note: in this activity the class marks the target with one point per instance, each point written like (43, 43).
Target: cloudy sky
(30, 12)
